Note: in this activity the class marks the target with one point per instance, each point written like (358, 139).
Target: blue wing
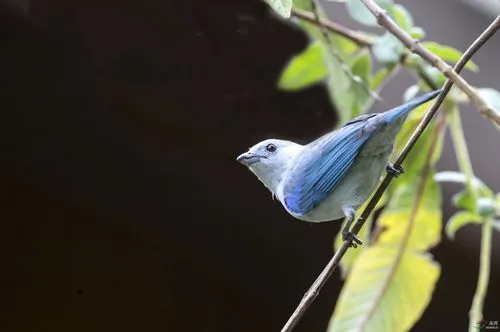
(323, 165)
(325, 162)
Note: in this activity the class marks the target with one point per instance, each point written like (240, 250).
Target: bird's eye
(271, 147)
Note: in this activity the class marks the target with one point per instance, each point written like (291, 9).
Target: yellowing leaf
(411, 203)
(385, 291)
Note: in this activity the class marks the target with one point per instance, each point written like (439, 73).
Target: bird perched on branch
(331, 177)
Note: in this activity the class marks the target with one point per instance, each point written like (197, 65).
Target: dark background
(122, 206)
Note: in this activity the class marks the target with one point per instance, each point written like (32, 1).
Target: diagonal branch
(358, 38)
(313, 291)
(416, 47)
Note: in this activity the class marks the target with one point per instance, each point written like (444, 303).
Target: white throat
(273, 170)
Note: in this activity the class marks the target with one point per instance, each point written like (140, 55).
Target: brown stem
(416, 47)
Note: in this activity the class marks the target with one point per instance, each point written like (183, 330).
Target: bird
(331, 177)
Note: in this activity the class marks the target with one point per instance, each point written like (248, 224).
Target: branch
(416, 47)
(314, 290)
(358, 38)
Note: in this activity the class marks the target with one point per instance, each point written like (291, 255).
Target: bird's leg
(394, 170)
(350, 215)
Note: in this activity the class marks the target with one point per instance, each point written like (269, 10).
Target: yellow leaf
(386, 291)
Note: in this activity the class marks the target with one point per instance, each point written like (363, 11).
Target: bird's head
(270, 159)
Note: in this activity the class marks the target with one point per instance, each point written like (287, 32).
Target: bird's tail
(404, 109)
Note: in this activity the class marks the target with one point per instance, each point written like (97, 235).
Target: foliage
(381, 292)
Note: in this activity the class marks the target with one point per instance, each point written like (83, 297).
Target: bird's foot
(394, 170)
(352, 238)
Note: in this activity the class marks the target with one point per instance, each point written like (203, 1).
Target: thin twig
(416, 47)
(314, 290)
(358, 38)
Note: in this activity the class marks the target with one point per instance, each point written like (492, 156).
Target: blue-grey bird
(331, 177)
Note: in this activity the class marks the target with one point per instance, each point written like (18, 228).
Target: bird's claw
(352, 238)
(394, 170)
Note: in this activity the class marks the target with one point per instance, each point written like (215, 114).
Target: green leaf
(282, 7)
(460, 219)
(385, 291)
(387, 49)
(361, 66)
(491, 96)
(417, 33)
(417, 157)
(304, 69)
(358, 11)
(402, 17)
(449, 54)
(464, 200)
(434, 74)
(338, 83)
(381, 75)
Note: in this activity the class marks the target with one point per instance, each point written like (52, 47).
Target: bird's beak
(248, 158)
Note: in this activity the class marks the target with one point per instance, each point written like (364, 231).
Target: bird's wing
(323, 164)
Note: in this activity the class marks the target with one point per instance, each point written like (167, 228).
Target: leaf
(282, 7)
(304, 69)
(387, 49)
(361, 66)
(410, 93)
(417, 33)
(464, 200)
(381, 75)
(416, 203)
(358, 11)
(337, 81)
(458, 177)
(460, 219)
(402, 17)
(449, 54)
(385, 291)
(434, 74)
(416, 159)
(491, 96)
(339, 87)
